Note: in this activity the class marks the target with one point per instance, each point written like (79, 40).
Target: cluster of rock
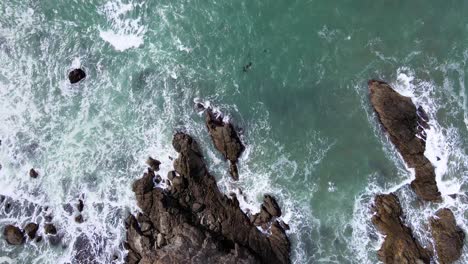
(405, 125)
(14, 234)
(191, 221)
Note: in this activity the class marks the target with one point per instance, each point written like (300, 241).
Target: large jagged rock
(399, 247)
(405, 126)
(193, 222)
(225, 139)
(13, 235)
(447, 235)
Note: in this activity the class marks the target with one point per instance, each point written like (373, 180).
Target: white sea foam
(124, 33)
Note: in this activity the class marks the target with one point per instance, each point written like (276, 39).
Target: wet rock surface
(399, 246)
(405, 126)
(33, 173)
(193, 222)
(31, 230)
(76, 75)
(448, 237)
(13, 235)
(225, 139)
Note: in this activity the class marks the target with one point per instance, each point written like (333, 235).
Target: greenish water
(312, 138)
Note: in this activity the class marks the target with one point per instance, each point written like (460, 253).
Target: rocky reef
(191, 221)
(399, 246)
(405, 127)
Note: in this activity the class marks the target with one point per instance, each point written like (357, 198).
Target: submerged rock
(402, 121)
(13, 235)
(399, 246)
(76, 75)
(193, 222)
(447, 235)
(225, 139)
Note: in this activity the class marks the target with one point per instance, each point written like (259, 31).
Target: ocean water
(312, 138)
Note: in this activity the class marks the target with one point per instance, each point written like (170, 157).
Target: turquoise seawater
(312, 138)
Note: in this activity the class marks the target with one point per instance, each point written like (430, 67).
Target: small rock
(153, 163)
(76, 75)
(33, 173)
(13, 235)
(38, 239)
(31, 230)
(50, 229)
(79, 219)
(80, 205)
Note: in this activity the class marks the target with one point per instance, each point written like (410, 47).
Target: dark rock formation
(193, 222)
(80, 205)
(33, 173)
(76, 75)
(79, 219)
(50, 229)
(31, 230)
(153, 163)
(13, 235)
(399, 246)
(225, 139)
(447, 235)
(404, 124)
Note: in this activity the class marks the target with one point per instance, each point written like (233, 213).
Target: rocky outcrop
(225, 139)
(76, 75)
(399, 247)
(405, 125)
(448, 237)
(193, 222)
(13, 235)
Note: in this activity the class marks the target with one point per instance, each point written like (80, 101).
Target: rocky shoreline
(406, 124)
(193, 222)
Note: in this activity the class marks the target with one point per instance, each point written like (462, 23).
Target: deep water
(312, 138)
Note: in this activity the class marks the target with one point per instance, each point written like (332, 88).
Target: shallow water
(312, 138)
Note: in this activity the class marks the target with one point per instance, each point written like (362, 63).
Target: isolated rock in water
(399, 246)
(33, 173)
(76, 75)
(401, 120)
(153, 163)
(13, 235)
(193, 222)
(31, 230)
(80, 205)
(225, 139)
(50, 229)
(447, 235)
